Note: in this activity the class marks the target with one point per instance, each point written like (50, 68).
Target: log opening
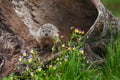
(63, 14)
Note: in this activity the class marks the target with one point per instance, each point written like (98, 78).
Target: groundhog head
(46, 35)
(48, 30)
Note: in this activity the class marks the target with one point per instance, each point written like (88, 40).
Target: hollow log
(20, 19)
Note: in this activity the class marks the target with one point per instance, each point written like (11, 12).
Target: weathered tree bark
(15, 36)
(100, 33)
(19, 19)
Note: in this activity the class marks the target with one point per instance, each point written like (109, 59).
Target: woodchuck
(46, 35)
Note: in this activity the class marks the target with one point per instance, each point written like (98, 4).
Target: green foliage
(113, 5)
(111, 69)
(10, 77)
(110, 1)
(75, 68)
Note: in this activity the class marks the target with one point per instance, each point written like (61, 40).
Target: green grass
(111, 70)
(110, 1)
(113, 6)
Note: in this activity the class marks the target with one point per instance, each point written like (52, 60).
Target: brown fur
(46, 43)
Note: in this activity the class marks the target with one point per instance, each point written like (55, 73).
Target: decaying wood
(99, 35)
(19, 20)
(15, 35)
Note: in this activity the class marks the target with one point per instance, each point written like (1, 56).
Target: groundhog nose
(46, 34)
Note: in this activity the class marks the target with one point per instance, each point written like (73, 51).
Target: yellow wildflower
(82, 32)
(20, 58)
(56, 35)
(30, 60)
(65, 60)
(63, 45)
(69, 48)
(58, 59)
(73, 48)
(54, 67)
(81, 51)
(60, 62)
(27, 68)
(32, 51)
(24, 54)
(31, 73)
(39, 70)
(76, 31)
(50, 66)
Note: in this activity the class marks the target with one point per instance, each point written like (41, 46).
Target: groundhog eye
(49, 30)
(43, 30)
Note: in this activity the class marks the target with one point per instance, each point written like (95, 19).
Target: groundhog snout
(46, 34)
